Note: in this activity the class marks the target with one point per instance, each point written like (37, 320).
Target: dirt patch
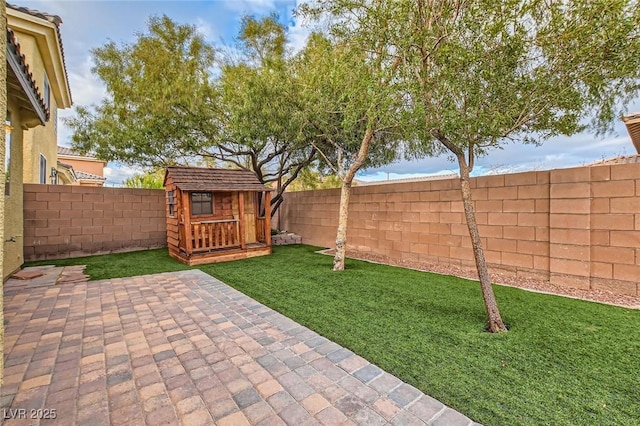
(530, 284)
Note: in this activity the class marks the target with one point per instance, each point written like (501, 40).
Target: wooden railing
(215, 234)
(260, 225)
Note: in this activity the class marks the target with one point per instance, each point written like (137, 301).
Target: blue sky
(88, 24)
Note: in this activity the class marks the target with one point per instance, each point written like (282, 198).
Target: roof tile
(89, 176)
(54, 19)
(14, 48)
(201, 179)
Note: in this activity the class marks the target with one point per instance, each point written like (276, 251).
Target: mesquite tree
(484, 73)
(352, 98)
(158, 93)
(259, 118)
(164, 105)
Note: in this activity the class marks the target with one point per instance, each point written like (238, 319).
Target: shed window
(171, 201)
(201, 203)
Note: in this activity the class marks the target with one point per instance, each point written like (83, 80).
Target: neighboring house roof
(56, 21)
(625, 159)
(21, 80)
(407, 180)
(63, 151)
(200, 179)
(84, 176)
(632, 121)
(69, 169)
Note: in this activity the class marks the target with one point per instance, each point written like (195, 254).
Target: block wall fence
(577, 227)
(70, 221)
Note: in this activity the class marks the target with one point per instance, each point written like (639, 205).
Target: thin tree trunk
(494, 320)
(345, 193)
(341, 237)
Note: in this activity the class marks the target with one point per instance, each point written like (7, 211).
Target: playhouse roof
(201, 179)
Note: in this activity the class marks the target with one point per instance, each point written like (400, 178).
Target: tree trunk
(341, 237)
(345, 193)
(494, 320)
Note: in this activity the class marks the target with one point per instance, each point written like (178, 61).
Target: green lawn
(563, 362)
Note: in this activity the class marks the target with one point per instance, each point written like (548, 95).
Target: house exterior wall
(13, 228)
(38, 39)
(577, 227)
(95, 167)
(70, 221)
(41, 140)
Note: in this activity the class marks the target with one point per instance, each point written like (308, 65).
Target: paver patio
(185, 348)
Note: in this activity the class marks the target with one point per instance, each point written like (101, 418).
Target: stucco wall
(42, 139)
(70, 221)
(13, 231)
(3, 109)
(577, 227)
(94, 167)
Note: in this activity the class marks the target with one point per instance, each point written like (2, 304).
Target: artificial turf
(563, 362)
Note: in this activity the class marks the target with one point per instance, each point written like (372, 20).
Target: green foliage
(564, 361)
(151, 180)
(352, 94)
(346, 94)
(309, 180)
(164, 107)
(158, 94)
(484, 73)
(263, 40)
(262, 121)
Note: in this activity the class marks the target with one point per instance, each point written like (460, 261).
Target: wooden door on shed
(250, 217)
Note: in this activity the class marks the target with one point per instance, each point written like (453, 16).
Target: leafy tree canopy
(357, 105)
(150, 180)
(158, 91)
(482, 73)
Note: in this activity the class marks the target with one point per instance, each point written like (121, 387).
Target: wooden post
(186, 209)
(267, 218)
(243, 240)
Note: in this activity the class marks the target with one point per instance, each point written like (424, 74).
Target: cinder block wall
(577, 227)
(71, 221)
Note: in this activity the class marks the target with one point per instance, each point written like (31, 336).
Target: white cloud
(86, 89)
(251, 6)
(205, 29)
(298, 34)
(559, 152)
(298, 30)
(116, 173)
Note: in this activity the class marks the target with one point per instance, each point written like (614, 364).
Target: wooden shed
(213, 215)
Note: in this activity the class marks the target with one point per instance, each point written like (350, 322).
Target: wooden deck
(223, 254)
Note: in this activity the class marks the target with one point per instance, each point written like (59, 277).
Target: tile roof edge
(89, 176)
(14, 46)
(55, 20)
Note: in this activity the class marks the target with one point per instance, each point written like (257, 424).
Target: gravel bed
(540, 286)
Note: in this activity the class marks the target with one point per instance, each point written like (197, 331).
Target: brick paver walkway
(185, 348)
